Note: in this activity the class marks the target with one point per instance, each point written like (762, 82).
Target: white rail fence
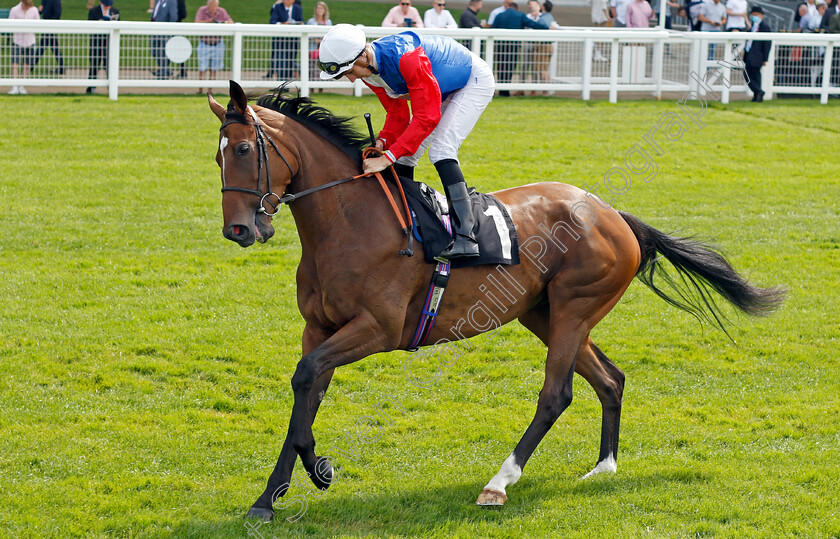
(580, 60)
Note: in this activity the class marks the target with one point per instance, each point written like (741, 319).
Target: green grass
(145, 361)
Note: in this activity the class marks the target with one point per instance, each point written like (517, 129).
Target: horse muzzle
(246, 235)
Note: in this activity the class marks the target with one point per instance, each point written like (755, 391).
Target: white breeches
(458, 115)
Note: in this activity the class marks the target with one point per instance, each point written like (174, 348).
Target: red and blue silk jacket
(424, 69)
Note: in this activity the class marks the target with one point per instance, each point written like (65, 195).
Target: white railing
(580, 60)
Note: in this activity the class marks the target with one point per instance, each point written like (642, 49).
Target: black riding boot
(460, 209)
(404, 171)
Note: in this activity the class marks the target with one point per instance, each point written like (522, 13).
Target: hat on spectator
(107, 2)
(757, 9)
(339, 49)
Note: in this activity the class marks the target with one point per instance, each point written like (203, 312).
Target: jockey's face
(360, 69)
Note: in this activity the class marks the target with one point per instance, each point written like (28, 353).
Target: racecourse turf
(145, 361)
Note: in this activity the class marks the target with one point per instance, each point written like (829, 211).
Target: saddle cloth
(493, 228)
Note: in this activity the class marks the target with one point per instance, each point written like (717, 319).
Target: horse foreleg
(608, 382)
(278, 482)
(359, 338)
(565, 337)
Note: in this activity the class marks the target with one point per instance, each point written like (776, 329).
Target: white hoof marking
(508, 475)
(605, 466)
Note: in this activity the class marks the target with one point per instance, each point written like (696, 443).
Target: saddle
(494, 230)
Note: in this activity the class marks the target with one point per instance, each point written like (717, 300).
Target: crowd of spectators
(800, 66)
(528, 59)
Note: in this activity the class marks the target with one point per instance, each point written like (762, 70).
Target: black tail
(701, 270)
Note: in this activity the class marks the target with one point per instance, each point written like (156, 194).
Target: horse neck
(319, 215)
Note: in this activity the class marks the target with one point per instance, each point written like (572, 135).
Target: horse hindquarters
(590, 275)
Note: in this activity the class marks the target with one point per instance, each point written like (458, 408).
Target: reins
(265, 198)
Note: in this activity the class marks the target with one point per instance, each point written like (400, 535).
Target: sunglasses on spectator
(405, 3)
(441, 5)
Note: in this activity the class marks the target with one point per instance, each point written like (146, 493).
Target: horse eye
(243, 149)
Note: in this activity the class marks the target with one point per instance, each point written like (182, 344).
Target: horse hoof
(605, 466)
(491, 497)
(323, 476)
(260, 513)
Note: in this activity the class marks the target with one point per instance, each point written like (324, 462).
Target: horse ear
(237, 95)
(217, 108)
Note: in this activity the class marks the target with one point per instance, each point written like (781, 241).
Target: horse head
(255, 172)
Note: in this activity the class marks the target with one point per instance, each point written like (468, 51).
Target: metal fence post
(304, 65)
(475, 45)
(614, 71)
(236, 57)
(488, 53)
(114, 64)
(586, 70)
(768, 82)
(727, 61)
(658, 68)
(694, 62)
(826, 82)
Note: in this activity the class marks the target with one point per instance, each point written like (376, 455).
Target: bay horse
(358, 297)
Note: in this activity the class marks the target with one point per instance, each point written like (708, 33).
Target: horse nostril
(238, 232)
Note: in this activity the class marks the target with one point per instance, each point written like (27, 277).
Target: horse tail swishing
(701, 270)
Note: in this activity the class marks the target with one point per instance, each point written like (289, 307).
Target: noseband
(262, 152)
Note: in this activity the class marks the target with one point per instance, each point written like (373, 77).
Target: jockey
(449, 87)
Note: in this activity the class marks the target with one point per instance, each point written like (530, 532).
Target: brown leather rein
(265, 197)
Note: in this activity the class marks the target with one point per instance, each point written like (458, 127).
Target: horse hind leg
(608, 382)
(605, 378)
(564, 337)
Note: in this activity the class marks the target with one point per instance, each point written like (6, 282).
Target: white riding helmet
(339, 49)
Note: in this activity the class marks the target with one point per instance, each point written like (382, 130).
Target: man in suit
(507, 52)
(99, 42)
(50, 9)
(164, 11)
(833, 9)
(284, 50)
(182, 14)
(469, 18)
(756, 54)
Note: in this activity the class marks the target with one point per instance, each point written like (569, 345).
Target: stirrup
(463, 247)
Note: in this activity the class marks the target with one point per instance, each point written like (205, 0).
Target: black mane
(337, 129)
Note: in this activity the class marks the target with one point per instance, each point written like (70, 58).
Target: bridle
(262, 152)
(266, 197)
